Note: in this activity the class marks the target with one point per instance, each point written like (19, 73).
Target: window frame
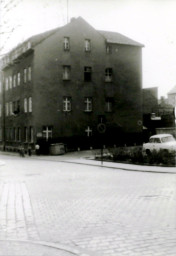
(108, 75)
(109, 105)
(30, 104)
(87, 74)
(66, 72)
(25, 105)
(88, 101)
(66, 44)
(67, 104)
(87, 45)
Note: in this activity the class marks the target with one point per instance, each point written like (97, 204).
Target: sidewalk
(87, 158)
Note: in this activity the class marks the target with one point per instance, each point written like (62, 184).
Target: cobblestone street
(86, 210)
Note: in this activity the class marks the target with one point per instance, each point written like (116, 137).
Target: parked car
(159, 142)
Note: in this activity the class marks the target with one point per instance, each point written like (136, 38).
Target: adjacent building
(73, 84)
(172, 96)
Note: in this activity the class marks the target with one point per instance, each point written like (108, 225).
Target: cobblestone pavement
(94, 210)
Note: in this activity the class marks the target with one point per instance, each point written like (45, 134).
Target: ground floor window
(47, 132)
(31, 134)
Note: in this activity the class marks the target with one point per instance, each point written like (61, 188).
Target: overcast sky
(150, 22)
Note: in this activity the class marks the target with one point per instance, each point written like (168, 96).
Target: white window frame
(47, 132)
(10, 82)
(31, 134)
(25, 75)
(10, 108)
(25, 105)
(108, 105)
(6, 83)
(66, 72)
(18, 78)
(30, 104)
(67, 104)
(7, 108)
(87, 45)
(14, 80)
(108, 74)
(29, 73)
(66, 43)
(88, 104)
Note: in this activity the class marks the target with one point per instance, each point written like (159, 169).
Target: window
(66, 72)
(31, 134)
(18, 134)
(18, 78)
(108, 75)
(25, 134)
(15, 111)
(30, 104)
(10, 108)
(10, 82)
(18, 106)
(14, 81)
(25, 76)
(0, 110)
(87, 45)
(15, 134)
(7, 108)
(87, 74)
(29, 73)
(67, 104)
(47, 132)
(108, 49)
(108, 106)
(66, 43)
(25, 105)
(88, 104)
(6, 84)
(0, 134)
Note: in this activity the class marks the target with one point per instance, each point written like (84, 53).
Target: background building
(74, 85)
(172, 96)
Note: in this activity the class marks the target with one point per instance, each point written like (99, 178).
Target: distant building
(172, 96)
(73, 84)
(150, 100)
(157, 114)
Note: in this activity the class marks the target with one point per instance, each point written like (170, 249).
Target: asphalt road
(84, 210)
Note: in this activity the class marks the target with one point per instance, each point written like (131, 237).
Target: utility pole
(67, 12)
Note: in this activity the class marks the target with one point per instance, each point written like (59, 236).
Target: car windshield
(167, 139)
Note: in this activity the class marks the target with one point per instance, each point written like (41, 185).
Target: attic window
(66, 44)
(87, 45)
(108, 49)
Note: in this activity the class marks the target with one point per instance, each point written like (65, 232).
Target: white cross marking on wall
(88, 131)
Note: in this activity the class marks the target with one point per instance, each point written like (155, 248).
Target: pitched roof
(117, 38)
(40, 37)
(173, 90)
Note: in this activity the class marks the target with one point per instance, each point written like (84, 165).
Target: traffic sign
(101, 128)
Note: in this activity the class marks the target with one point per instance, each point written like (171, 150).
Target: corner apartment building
(73, 84)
